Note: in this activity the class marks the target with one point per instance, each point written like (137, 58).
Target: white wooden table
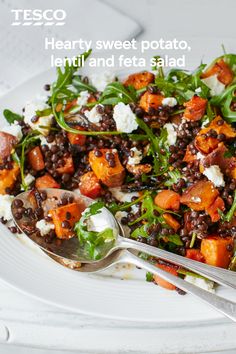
(28, 326)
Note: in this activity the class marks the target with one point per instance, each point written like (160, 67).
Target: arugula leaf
(149, 277)
(116, 92)
(158, 148)
(29, 140)
(175, 238)
(95, 244)
(81, 86)
(175, 175)
(229, 215)
(11, 117)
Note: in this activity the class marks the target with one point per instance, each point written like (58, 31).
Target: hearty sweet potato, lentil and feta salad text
(158, 150)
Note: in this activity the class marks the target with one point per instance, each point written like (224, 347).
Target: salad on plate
(157, 148)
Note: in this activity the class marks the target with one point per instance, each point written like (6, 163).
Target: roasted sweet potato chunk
(213, 209)
(77, 139)
(8, 178)
(35, 158)
(217, 251)
(110, 176)
(68, 166)
(150, 100)
(195, 254)
(7, 143)
(171, 221)
(89, 185)
(64, 219)
(195, 108)
(168, 199)
(189, 157)
(207, 144)
(162, 282)
(46, 181)
(139, 80)
(200, 195)
(140, 169)
(222, 70)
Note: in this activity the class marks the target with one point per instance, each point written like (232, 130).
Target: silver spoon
(70, 250)
(225, 306)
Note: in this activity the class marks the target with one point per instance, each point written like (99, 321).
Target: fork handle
(224, 306)
(219, 275)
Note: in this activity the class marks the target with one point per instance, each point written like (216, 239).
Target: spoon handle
(225, 306)
(219, 275)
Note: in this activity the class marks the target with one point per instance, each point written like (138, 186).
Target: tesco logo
(37, 17)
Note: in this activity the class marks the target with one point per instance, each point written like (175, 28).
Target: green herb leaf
(116, 92)
(149, 277)
(11, 117)
(175, 175)
(229, 215)
(81, 86)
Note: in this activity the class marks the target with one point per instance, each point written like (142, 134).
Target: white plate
(120, 295)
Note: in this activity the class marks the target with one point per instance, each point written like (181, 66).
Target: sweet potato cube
(189, 157)
(168, 199)
(171, 221)
(8, 178)
(200, 195)
(7, 143)
(150, 100)
(69, 214)
(46, 181)
(195, 108)
(217, 251)
(89, 185)
(68, 166)
(222, 70)
(139, 80)
(110, 176)
(213, 209)
(35, 158)
(77, 139)
(162, 282)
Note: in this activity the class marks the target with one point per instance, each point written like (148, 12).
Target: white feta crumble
(136, 156)
(13, 129)
(121, 196)
(29, 179)
(119, 215)
(5, 206)
(169, 101)
(198, 90)
(44, 227)
(201, 283)
(205, 122)
(101, 221)
(171, 133)
(30, 111)
(216, 87)
(101, 80)
(82, 100)
(200, 156)
(214, 174)
(93, 116)
(45, 142)
(124, 117)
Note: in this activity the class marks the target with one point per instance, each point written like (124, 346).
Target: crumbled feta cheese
(136, 157)
(93, 116)
(5, 206)
(29, 179)
(216, 87)
(169, 101)
(100, 221)
(124, 117)
(44, 227)
(13, 129)
(202, 283)
(121, 196)
(198, 90)
(44, 141)
(172, 134)
(30, 111)
(214, 174)
(200, 156)
(119, 215)
(82, 100)
(101, 80)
